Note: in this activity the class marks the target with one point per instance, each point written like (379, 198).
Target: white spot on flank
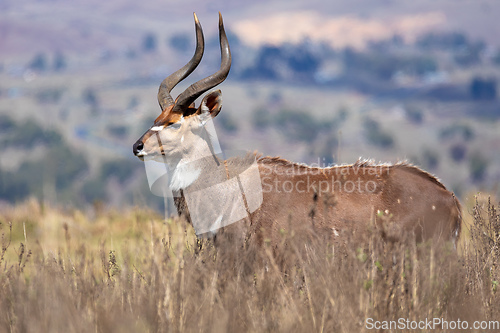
(433, 207)
(335, 232)
(387, 211)
(157, 128)
(399, 201)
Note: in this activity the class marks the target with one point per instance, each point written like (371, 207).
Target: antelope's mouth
(146, 156)
(141, 154)
(140, 151)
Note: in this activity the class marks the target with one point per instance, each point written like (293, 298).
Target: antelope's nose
(138, 147)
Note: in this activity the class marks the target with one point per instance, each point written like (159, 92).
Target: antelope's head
(179, 129)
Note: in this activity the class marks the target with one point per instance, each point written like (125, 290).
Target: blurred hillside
(322, 82)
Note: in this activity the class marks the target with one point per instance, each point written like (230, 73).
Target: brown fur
(359, 196)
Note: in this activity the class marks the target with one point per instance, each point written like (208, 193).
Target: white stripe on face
(157, 128)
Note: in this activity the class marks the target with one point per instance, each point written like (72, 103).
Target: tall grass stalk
(132, 271)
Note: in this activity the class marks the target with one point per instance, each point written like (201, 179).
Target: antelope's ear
(211, 104)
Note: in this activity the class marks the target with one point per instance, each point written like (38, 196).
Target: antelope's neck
(200, 164)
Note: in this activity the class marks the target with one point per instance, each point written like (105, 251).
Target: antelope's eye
(174, 126)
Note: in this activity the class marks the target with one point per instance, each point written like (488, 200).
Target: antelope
(280, 194)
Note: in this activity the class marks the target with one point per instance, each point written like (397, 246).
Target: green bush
(483, 89)
(28, 134)
(122, 169)
(61, 165)
(376, 135)
(383, 66)
(458, 152)
(180, 42)
(118, 131)
(457, 131)
(11, 189)
(49, 95)
(94, 190)
(39, 62)
(261, 119)
(149, 43)
(414, 115)
(297, 125)
(430, 159)
(227, 123)
(60, 63)
(6, 123)
(90, 97)
(478, 166)
(326, 149)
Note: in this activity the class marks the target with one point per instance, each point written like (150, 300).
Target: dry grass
(131, 271)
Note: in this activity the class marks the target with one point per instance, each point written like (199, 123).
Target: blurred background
(319, 82)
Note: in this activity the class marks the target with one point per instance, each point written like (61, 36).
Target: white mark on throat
(183, 176)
